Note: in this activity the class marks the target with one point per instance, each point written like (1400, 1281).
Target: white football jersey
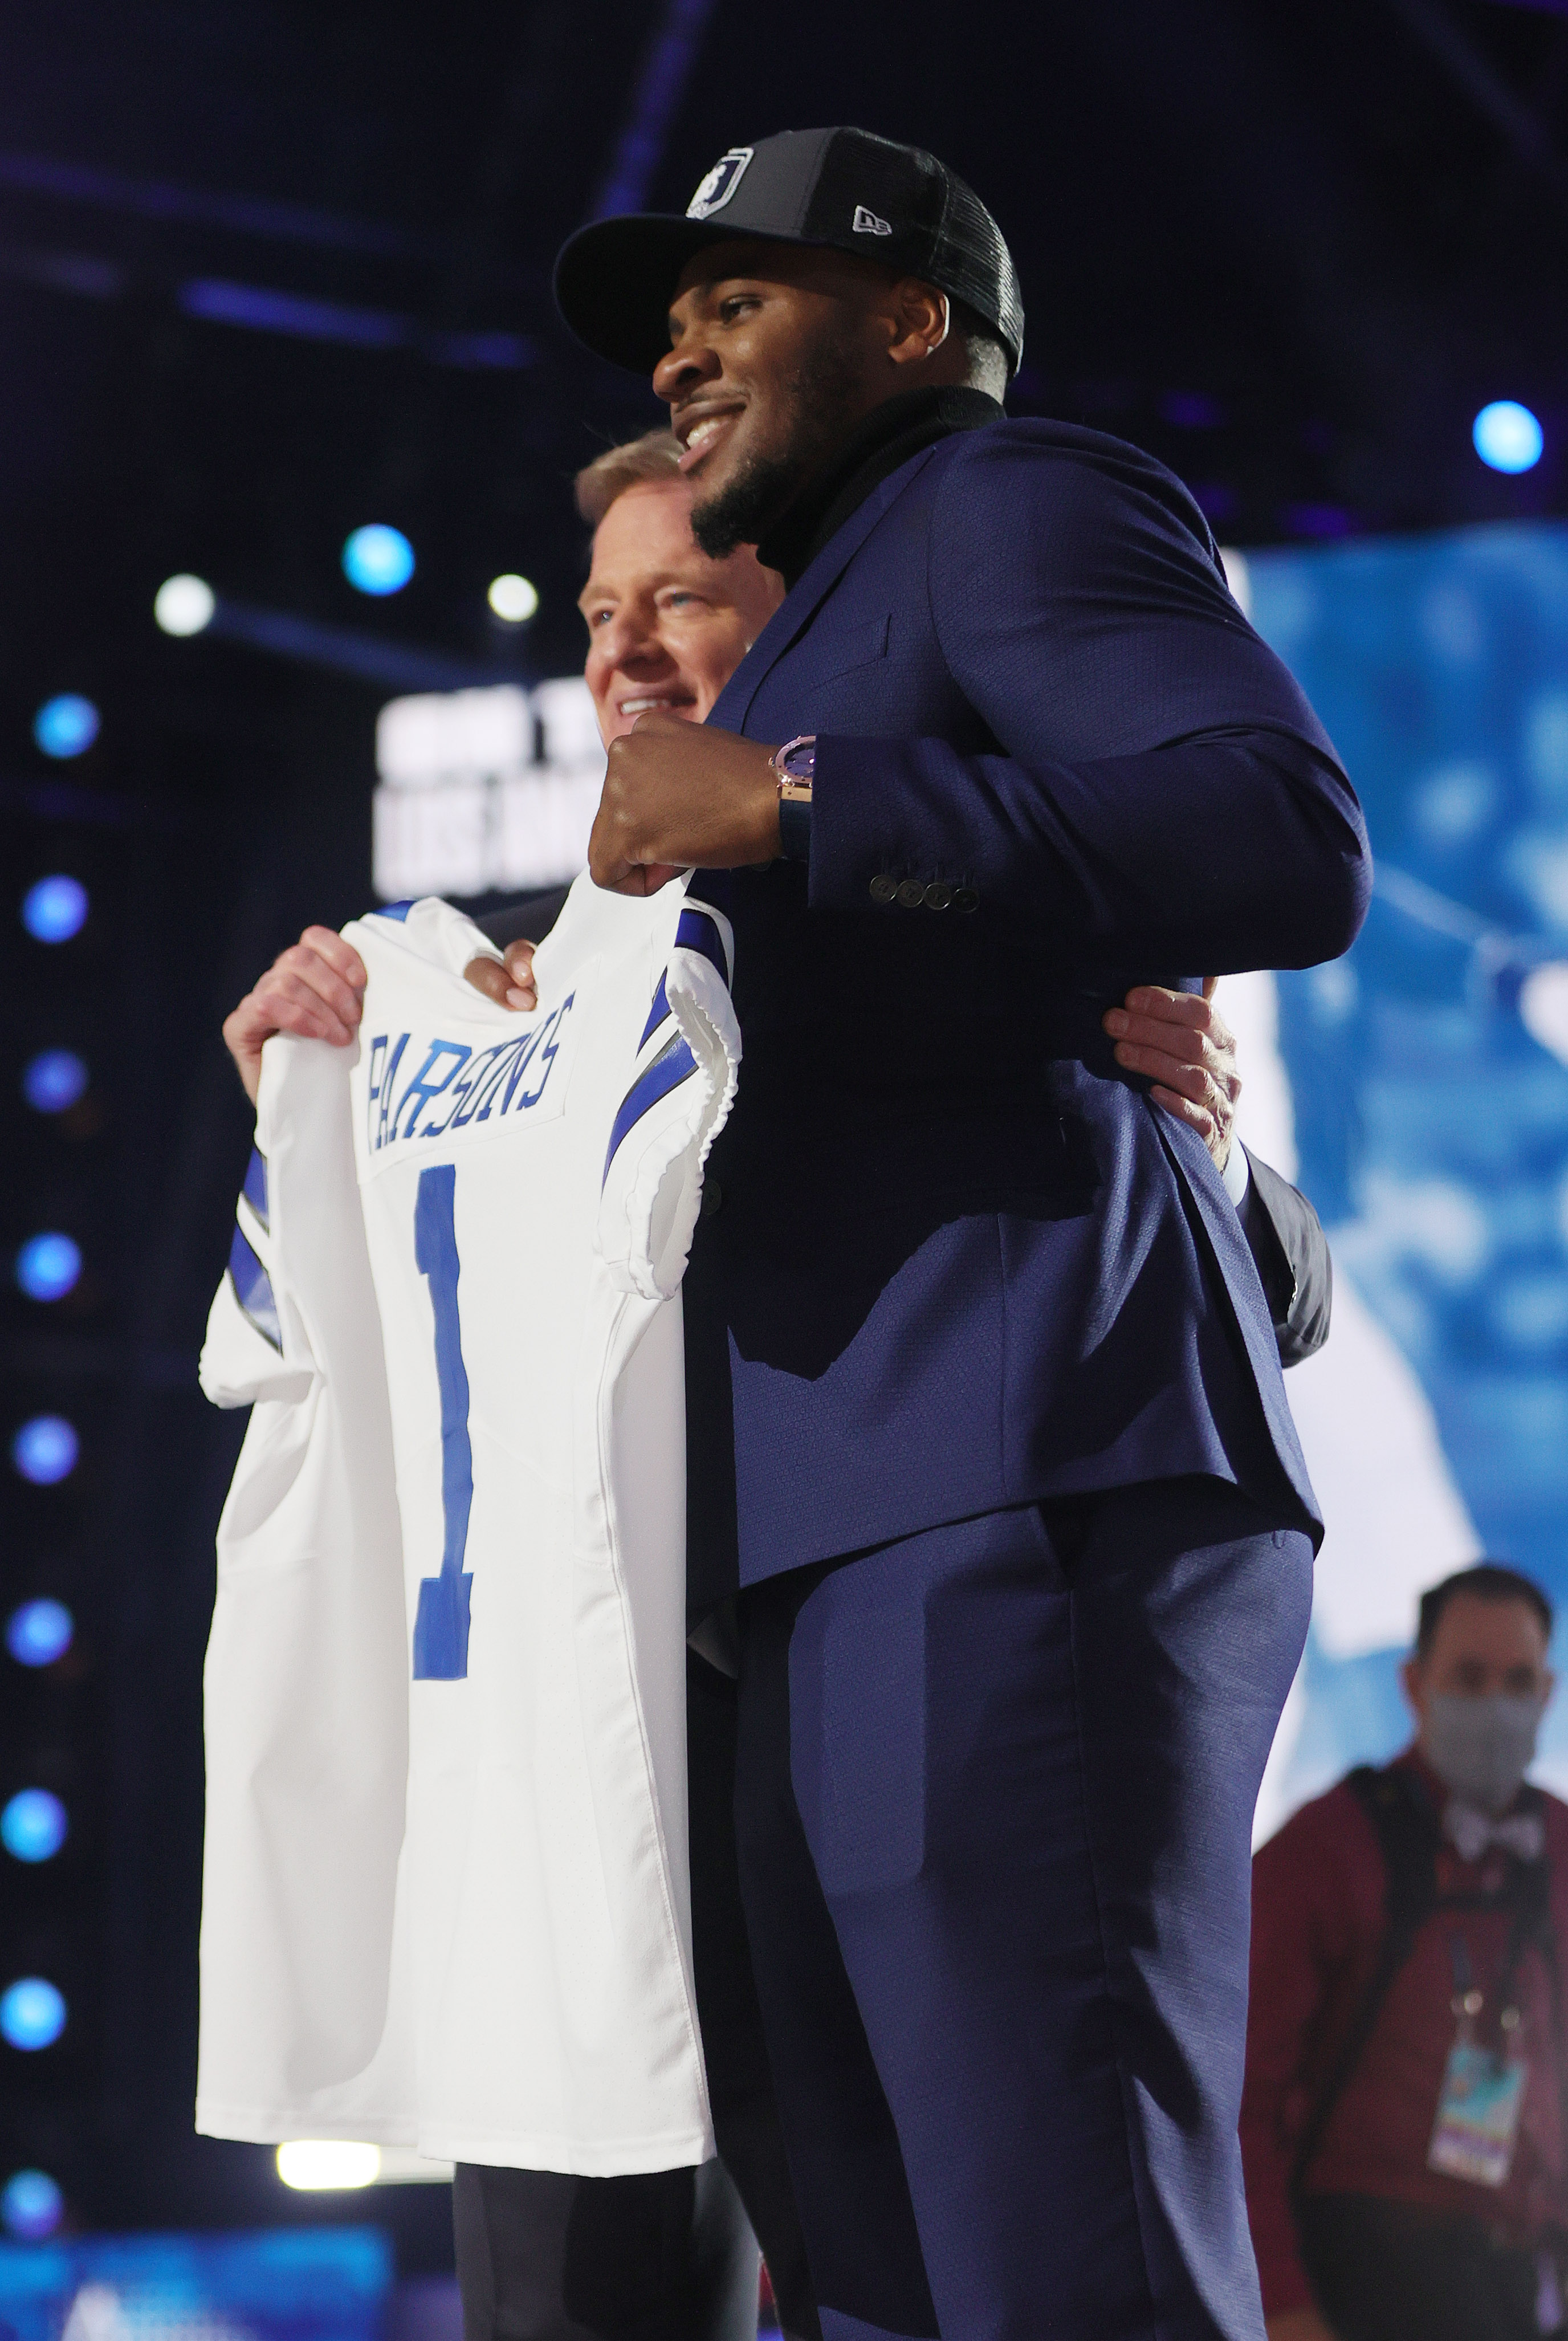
(445, 1899)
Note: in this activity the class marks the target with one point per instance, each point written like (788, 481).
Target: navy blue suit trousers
(994, 1799)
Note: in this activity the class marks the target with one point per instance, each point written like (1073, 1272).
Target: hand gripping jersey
(445, 1898)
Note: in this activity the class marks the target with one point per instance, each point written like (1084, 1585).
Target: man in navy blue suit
(988, 1437)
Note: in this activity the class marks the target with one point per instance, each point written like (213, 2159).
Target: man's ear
(1413, 1686)
(922, 317)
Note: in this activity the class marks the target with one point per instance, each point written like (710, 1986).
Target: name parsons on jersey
(509, 1078)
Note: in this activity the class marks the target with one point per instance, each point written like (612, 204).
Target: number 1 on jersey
(441, 1625)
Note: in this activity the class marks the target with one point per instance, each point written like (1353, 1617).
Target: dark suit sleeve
(529, 920)
(1160, 794)
(1286, 1240)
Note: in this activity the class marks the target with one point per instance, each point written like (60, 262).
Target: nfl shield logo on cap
(720, 183)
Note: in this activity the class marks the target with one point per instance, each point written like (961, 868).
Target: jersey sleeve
(678, 1100)
(256, 1347)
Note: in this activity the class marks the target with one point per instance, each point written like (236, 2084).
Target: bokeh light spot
(31, 2013)
(33, 1825)
(54, 909)
(48, 1266)
(1507, 436)
(45, 1450)
(378, 560)
(39, 1632)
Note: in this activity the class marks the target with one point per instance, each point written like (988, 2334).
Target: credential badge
(721, 182)
(867, 222)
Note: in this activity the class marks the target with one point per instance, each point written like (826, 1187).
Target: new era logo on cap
(867, 223)
(720, 183)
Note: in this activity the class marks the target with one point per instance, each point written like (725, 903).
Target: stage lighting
(39, 1632)
(54, 909)
(316, 2163)
(378, 560)
(44, 1449)
(1507, 436)
(31, 2205)
(48, 1266)
(31, 2013)
(185, 604)
(33, 1826)
(514, 599)
(53, 1081)
(66, 726)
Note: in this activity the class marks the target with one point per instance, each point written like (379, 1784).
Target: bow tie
(1472, 1833)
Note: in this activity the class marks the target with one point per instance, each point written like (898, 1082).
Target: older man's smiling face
(668, 627)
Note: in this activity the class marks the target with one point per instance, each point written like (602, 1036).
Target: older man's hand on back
(1182, 1044)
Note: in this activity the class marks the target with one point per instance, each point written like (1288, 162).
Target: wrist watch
(795, 764)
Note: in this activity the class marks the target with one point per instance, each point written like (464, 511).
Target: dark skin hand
(678, 797)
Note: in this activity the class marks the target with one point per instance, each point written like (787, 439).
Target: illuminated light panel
(378, 560)
(39, 1632)
(31, 2013)
(48, 1266)
(185, 605)
(54, 909)
(45, 1450)
(66, 725)
(316, 2164)
(52, 1082)
(31, 2205)
(1507, 436)
(34, 1825)
(514, 599)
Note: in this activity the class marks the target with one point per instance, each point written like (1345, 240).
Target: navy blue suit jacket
(957, 1260)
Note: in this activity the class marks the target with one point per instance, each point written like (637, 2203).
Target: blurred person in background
(1403, 2129)
(667, 625)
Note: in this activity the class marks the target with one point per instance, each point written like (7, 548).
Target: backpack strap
(1407, 1837)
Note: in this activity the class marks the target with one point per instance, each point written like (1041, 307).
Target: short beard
(821, 406)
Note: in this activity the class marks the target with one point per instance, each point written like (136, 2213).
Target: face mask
(1481, 1748)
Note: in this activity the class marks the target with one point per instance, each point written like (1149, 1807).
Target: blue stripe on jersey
(398, 910)
(656, 1013)
(441, 1623)
(673, 1064)
(254, 1188)
(252, 1290)
(698, 931)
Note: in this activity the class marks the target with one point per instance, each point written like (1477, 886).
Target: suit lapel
(800, 605)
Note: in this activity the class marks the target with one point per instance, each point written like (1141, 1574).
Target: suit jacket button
(964, 898)
(884, 887)
(713, 1198)
(912, 893)
(937, 895)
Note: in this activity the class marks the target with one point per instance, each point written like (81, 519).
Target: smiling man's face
(776, 351)
(667, 626)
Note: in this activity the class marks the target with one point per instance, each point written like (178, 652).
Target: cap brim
(614, 280)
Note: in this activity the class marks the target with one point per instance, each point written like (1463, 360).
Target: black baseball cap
(860, 194)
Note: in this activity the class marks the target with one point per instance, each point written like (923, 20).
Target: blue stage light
(53, 1081)
(378, 560)
(31, 2205)
(1507, 436)
(66, 726)
(31, 2013)
(54, 909)
(48, 1266)
(33, 1826)
(39, 1632)
(44, 1449)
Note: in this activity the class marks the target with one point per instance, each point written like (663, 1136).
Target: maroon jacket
(1318, 1918)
